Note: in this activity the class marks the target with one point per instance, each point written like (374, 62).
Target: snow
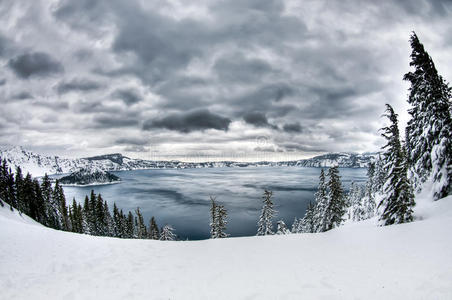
(355, 261)
(37, 164)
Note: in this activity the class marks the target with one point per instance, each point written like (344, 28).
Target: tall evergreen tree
(336, 202)
(154, 233)
(130, 226)
(265, 223)
(221, 221)
(398, 198)
(141, 227)
(308, 223)
(320, 212)
(429, 131)
(59, 200)
(213, 216)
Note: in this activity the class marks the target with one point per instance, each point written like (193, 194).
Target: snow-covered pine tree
(380, 174)
(167, 233)
(295, 225)
(429, 131)
(117, 224)
(213, 216)
(336, 202)
(60, 200)
(141, 227)
(87, 225)
(154, 233)
(265, 223)
(355, 203)
(369, 195)
(321, 217)
(108, 221)
(308, 223)
(396, 205)
(130, 226)
(218, 219)
(281, 228)
(101, 227)
(221, 220)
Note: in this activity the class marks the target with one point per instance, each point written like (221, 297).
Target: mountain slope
(38, 164)
(358, 261)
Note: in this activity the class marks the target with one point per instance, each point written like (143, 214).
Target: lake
(180, 197)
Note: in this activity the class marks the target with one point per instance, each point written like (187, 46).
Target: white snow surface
(356, 261)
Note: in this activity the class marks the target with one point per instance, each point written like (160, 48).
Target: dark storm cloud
(257, 119)
(114, 121)
(77, 84)
(132, 141)
(22, 96)
(292, 127)
(37, 64)
(2, 81)
(2, 46)
(236, 68)
(128, 96)
(191, 121)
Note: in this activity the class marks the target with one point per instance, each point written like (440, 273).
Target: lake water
(180, 197)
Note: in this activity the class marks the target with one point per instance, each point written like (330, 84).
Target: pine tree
(59, 200)
(118, 232)
(46, 188)
(213, 220)
(218, 219)
(398, 198)
(88, 226)
(167, 233)
(265, 223)
(108, 221)
(281, 228)
(130, 226)
(308, 223)
(295, 225)
(429, 131)
(336, 202)
(320, 213)
(141, 227)
(221, 221)
(154, 233)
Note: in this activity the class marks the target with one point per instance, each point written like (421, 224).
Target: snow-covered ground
(356, 261)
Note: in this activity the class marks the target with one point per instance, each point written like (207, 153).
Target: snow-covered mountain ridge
(38, 164)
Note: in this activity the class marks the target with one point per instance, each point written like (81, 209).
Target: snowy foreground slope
(356, 261)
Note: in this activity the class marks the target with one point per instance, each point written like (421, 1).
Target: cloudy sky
(231, 79)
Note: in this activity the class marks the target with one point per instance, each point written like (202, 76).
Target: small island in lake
(89, 177)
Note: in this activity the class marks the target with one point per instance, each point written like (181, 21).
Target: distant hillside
(38, 164)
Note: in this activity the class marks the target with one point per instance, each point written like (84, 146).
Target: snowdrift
(356, 261)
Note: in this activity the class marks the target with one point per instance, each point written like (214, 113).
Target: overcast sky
(241, 79)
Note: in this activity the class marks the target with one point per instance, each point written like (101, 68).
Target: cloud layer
(209, 77)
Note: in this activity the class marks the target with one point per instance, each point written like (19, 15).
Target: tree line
(45, 203)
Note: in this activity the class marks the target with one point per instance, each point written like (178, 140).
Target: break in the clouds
(216, 77)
